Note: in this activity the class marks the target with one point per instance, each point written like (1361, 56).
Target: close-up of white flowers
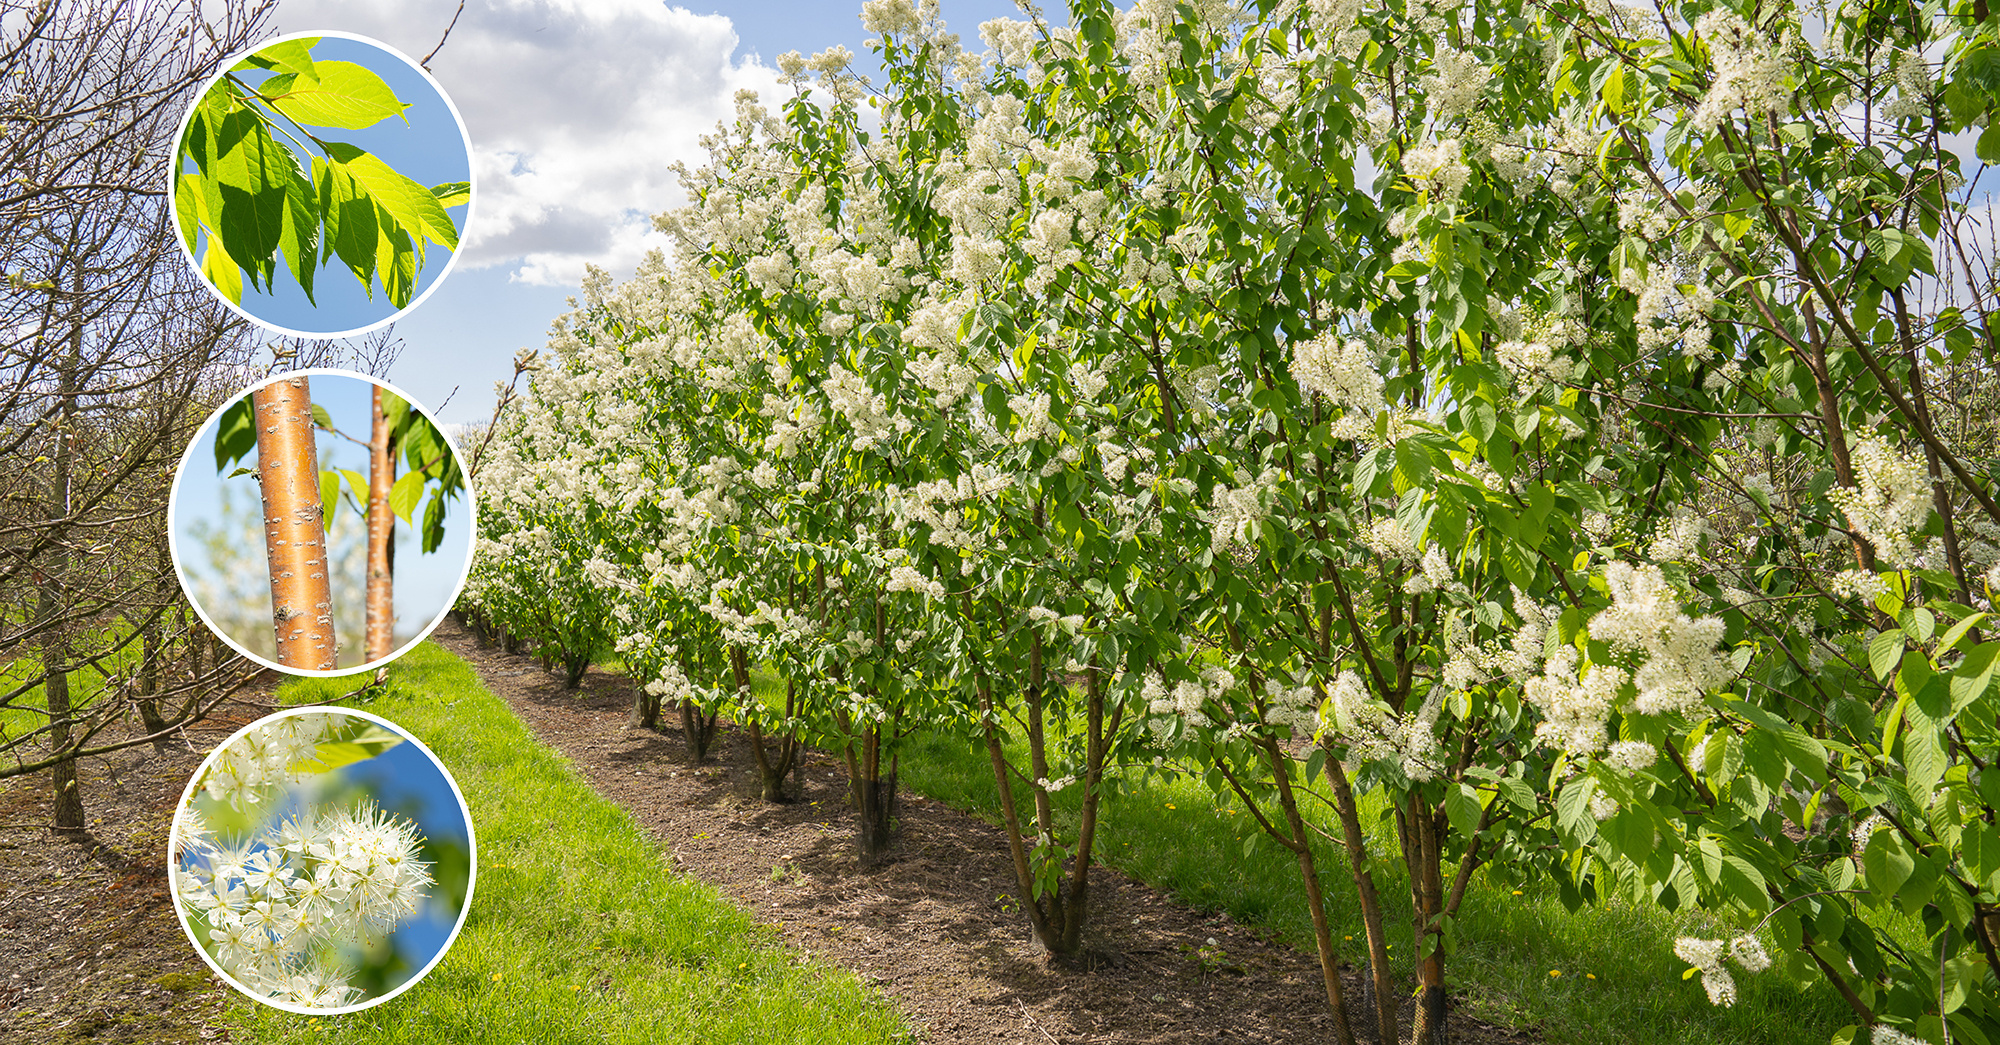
(288, 899)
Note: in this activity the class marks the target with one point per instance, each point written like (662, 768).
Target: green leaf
(453, 193)
(349, 213)
(1885, 652)
(334, 754)
(289, 56)
(235, 434)
(222, 272)
(251, 174)
(1480, 420)
(1573, 809)
(329, 492)
(357, 485)
(1958, 631)
(298, 235)
(1413, 465)
(346, 95)
(433, 528)
(1461, 806)
(1962, 975)
(410, 204)
(187, 208)
(1974, 675)
(322, 419)
(395, 259)
(1887, 863)
(1923, 755)
(404, 495)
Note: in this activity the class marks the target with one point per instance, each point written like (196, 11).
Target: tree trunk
(873, 794)
(770, 770)
(1423, 838)
(68, 800)
(875, 801)
(645, 709)
(1329, 962)
(1381, 980)
(152, 652)
(381, 615)
(294, 526)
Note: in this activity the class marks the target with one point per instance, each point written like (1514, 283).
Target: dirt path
(932, 929)
(90, 949)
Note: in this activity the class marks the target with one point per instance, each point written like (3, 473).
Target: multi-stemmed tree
(1565, 420)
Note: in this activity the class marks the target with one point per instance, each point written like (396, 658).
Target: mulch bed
(90, 949)
(935, 928)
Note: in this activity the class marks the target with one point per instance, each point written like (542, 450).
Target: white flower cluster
(1345, 371)
(1749, 70)
(1707, 956)
(1295, 708)
(1574, 705)
(1532, 364)
(279, 905)
(909, 578)
(866, 412)
(1439, 166)
(1865, 585)
(1374, 732)
(1679, 538)
(263, 756)
(1913, 87)
(1645, 616)
(1457, 80)
(1238, 512)
(1890, 497)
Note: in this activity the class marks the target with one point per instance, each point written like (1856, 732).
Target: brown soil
(90, 949)
(933, 928)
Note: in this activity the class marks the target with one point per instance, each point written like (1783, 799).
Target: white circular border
(471, 178)
(471, 847)
(173, 523)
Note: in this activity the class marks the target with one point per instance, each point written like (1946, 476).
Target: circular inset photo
(322, 184)
(322, 860)
(320, 522)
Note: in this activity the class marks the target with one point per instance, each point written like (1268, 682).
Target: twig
(1033, 1023)
(426, 63)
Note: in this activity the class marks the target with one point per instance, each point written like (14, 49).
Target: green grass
(86, 683)
(1619, 980)
(579, 932)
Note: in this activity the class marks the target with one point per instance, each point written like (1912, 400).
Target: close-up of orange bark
(294, 525)
(381, 626)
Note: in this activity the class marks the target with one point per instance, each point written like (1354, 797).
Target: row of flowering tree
(1570, 421)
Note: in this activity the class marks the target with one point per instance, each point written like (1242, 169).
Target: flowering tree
(1569, 416)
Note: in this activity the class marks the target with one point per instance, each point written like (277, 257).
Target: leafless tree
(111, 353)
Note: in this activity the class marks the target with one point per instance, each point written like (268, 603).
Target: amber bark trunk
(1382, 985)
(1423, 830)
(381, 620)
(294, 527)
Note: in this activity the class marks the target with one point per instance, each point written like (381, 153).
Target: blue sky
(424, 583)
(407, 781)
(575, 111)
(426, 144)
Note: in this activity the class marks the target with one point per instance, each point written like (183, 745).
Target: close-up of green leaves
(243, 198)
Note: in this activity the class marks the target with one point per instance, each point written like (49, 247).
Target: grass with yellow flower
(1514, 939)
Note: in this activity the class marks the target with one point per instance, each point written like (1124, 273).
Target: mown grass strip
(579, 932)
(1605, 975)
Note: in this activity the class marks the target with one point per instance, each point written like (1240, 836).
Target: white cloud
(577, 109)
